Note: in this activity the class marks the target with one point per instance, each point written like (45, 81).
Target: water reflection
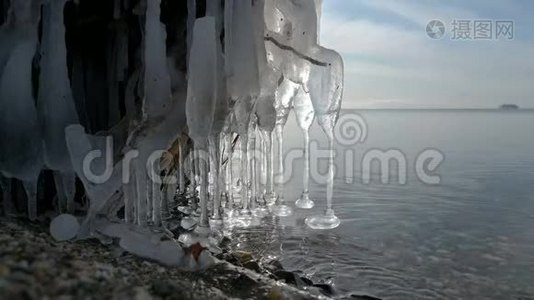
(470, 237)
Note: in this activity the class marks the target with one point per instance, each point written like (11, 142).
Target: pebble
(326, 289)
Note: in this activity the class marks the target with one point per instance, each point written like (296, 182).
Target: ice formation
(203, 91)
(55, 104)
(20, 135)
(303, 108)
(174, 122)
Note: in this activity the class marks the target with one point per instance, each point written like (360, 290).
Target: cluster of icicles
(250, 62)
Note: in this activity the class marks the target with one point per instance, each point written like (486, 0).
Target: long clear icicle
(157, 78)
(21, 151)
(202, 92)
(303, 108)
(55, 101)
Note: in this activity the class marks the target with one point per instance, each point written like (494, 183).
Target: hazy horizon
(349, 105)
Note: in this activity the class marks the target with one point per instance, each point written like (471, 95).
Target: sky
(391, 62)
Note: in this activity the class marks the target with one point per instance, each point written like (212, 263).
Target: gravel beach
(34, 266)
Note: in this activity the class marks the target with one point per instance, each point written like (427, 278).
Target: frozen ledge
(297, 53)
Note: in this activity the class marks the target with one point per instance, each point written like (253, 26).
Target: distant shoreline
(443, 109)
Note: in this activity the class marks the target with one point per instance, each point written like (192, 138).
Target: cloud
(387, 61)
(421, 12)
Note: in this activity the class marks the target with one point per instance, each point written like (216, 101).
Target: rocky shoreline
(34, 266)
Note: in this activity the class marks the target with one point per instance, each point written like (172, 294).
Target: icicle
(214, 8)
(241, 49)
(181, 167)
(31, 193)
(303, 108)
(299, 24)
(284, 97)
(319, 9)
(106, 180)
(78, 90)
(327, 92)
(149, 198)
(130, 94)
(21, 151)
(266, 115)
(116, 9)
(55, 103)
(229, 209)
(191, 17)
(253, 172)
(242, 115)
(7, 197)
(203, 166)
(202, 95)
(157, 79)
(142, 180)
(264, 171)
(168, 201)
(130, 196)
(214, 171)
(222, 107)
(117, 65)
(191, 188)
(157, 204)
(280, 208)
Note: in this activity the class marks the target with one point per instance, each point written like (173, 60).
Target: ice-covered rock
(144, 243)
(64, 227)
(92, 160)
(188, 223)
(205, 260)
(203, 88)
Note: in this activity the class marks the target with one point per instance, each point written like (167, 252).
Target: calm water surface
(470, 237)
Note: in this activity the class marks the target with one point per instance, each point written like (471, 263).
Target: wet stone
(326, 289)
(252, 265)
(306, 281)
(363, 297)
(274, 266)
(162, 287)
(287, 277)
(243, 282)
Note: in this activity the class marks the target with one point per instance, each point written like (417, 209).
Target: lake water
(469, 237)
